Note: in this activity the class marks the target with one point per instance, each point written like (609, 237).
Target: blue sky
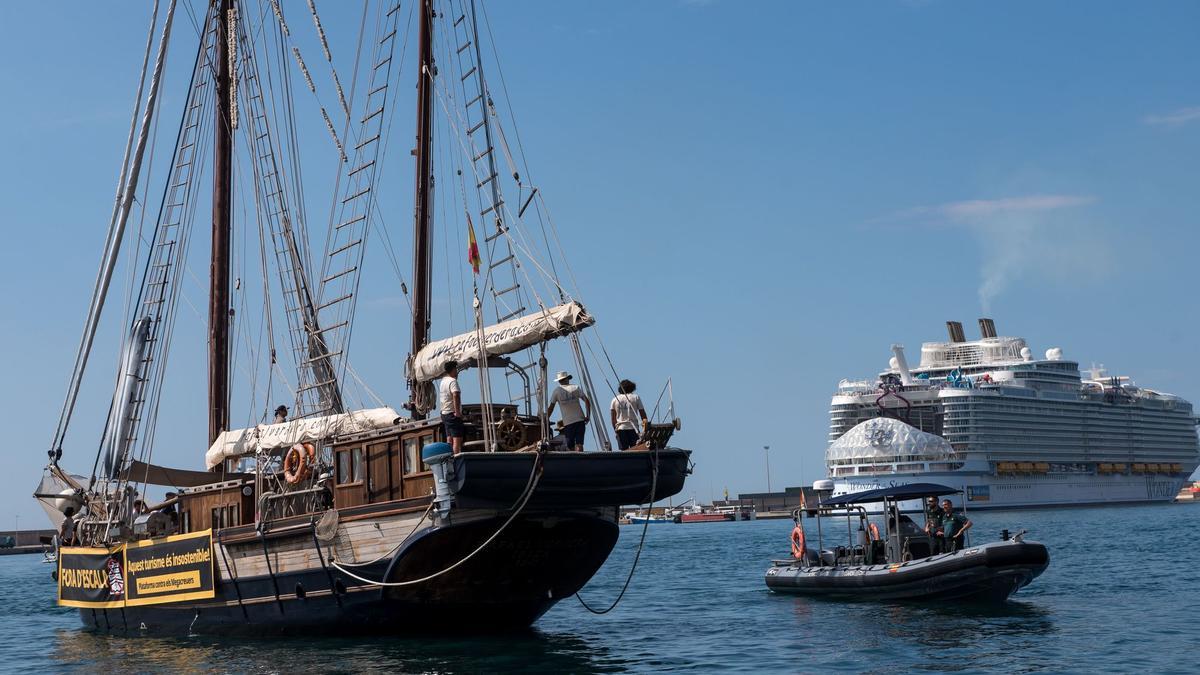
(757, 198)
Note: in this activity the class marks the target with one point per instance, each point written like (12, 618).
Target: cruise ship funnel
(987, 328)
(956, 331)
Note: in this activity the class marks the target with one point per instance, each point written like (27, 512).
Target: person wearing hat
(281, 414)
(574, 419)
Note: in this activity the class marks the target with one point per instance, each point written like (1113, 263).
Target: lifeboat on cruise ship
(904, 564)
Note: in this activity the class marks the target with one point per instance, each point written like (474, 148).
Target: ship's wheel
(510, 434)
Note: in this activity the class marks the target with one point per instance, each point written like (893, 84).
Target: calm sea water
(1122, 594)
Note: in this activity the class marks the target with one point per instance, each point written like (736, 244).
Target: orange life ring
(298, 462)
(874, 532)
(798, 543)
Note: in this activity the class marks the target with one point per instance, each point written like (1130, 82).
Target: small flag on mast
(472, 247)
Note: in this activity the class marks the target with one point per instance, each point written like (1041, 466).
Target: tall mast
(218, 297)
(423, 217)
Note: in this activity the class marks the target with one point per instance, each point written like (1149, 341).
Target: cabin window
(216, 518)
(411, 455)
(185, 521)
(349, 466)
(343, 467)
(232, 517)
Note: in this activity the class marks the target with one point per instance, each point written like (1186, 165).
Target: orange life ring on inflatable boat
(798, 543)
(298, 462)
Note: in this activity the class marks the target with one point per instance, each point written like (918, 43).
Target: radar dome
(823, 485)
(1054, 354)
(893, 363)
(1026, 353)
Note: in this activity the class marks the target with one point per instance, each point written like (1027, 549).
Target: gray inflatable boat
(901, 564)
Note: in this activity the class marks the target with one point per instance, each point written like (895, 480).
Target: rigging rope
(126, 189)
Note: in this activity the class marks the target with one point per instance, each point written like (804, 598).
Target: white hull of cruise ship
(1011, 492)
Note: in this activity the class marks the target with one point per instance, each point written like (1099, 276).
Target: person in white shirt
(450, 405)
(626, 408)
(574, 418)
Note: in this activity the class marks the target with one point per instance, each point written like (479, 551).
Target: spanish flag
(472, 247)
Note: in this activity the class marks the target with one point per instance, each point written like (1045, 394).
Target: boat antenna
(423, 207)
(218, 297)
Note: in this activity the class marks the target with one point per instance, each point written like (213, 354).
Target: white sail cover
(884, 439)
(503, 338)
(239, 442)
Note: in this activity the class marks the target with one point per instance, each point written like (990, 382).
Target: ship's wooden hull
(283, 579)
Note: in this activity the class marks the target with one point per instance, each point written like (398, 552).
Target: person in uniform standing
(574, 418)
(933, 524)
(450, 405)
(954, 526)
(626, 408)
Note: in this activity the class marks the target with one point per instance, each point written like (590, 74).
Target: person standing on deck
(933, 523)
(954, 526)
(626, 408)
(450, 405)
(574, 419)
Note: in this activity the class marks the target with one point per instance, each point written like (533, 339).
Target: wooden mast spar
(218, 297)
(423, 208)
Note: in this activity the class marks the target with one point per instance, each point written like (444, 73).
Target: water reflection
(530, 651)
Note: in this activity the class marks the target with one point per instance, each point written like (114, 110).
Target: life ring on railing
(798, 544)
(874, 531)
(298, 462)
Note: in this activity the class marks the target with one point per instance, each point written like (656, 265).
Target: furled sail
(503, 338)
(238, 442)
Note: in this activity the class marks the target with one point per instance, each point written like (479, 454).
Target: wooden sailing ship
(338, 518)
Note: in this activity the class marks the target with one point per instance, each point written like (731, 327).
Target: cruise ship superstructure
(1009, 429)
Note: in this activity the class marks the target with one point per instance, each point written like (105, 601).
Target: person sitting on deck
(574, 418)
(450, 404)
(625, 408)
(953, 527)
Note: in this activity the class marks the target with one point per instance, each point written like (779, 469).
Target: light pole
(767, 457)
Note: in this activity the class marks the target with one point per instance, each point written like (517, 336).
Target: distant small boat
(704, 517)
(653, 520)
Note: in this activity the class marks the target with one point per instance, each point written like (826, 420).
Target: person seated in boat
(574, 418)
(626, 407)
(450, 405)
(953, 527)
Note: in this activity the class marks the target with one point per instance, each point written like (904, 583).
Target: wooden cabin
(373, 467)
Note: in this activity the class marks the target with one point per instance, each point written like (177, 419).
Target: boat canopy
(505, 337)
(238, 442)
(153, 474)
(897, 492)
(884, 439)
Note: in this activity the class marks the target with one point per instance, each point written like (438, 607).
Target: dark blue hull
(537, 561)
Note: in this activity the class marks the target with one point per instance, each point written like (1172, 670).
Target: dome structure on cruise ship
(884, 439)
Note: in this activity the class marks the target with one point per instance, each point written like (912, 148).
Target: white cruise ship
(1009, 429)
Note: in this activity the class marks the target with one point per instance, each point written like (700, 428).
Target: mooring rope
(641, 544)
(530, 487)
